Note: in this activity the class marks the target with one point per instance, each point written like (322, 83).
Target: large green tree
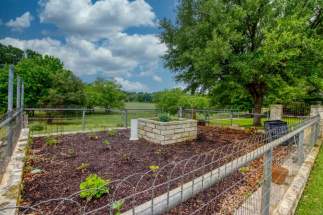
(104, 93)
(255, 45)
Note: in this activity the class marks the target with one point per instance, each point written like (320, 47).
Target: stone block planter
(167, 132)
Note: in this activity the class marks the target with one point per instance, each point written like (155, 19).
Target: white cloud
(95, 42)
(21, 22)
(99, 19)
(157, 78)
(131, 85)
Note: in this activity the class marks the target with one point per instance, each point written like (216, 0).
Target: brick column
(318, 110)
(276, 112)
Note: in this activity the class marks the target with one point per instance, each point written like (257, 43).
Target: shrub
(51, 141)
(94, 187)
(106, 142)
(164, 118)
(37, 127)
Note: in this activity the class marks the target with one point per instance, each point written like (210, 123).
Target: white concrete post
(276, 112)
(266, 187)
(18, 93)
(134, 129)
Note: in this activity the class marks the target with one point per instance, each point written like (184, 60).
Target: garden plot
(57, 165)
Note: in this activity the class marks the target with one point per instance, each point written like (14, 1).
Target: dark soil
(60, 173)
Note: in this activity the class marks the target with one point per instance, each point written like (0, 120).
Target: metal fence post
(22, 95)
(10, 89)
(266, 187)
(126, 118)
(83, 120)
(301, 155)
(231, 117)
(18, 93)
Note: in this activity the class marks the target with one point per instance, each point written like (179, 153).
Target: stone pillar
(276, 112)
(318, 110)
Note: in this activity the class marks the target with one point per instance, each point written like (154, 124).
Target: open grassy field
(139, 105)
(312, 199)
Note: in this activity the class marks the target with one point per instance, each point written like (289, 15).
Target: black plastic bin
(276, 129)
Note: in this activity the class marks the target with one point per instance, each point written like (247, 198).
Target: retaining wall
(167, 132)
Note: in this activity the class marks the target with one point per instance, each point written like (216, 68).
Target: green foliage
(51, 141)
(10, 55)
(83, 166)
(94, 187)
(170, 100)
(117, 206)
(244, 170)
(164, 117)
(154, 168)
(104, 93)
(112, 132)
(243, 50)
(106, 142)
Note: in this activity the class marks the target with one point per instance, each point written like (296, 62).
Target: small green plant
(164, 117)
(112, 132)
(117, 206)
(51, 141)
(154, 168)
(83, 166)
(94, 187)
(244, 170)
(106, 142)
(37, 127)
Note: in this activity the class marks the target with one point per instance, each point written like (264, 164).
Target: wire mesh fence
(47, 121)
(10, 128)
(231, 179)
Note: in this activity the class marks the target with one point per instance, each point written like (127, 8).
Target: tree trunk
(257, 111)
(257, 91)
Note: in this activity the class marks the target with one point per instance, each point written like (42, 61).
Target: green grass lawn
(139, 105)
(97, 121)
(312, 199)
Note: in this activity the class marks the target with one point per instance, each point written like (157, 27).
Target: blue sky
(112, 39)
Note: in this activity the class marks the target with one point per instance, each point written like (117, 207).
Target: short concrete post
(134, 129)
(276, 112)
(301, 154)
(266, 187)
(180, 112)
(317, 110)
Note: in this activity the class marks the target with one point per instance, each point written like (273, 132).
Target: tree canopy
(258, 47)
(104, 93)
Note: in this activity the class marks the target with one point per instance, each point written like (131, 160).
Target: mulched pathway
(60, 174)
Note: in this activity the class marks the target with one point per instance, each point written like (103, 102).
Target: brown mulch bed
(60, 175)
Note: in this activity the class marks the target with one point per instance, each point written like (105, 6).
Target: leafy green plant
(112, 132)
(164, 118)
(51, 141)
(154, 168)
(83, 166)
(117, 206)
(94, 187)
(107, 143)
(244, 170)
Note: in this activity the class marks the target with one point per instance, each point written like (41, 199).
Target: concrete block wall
(167, 132)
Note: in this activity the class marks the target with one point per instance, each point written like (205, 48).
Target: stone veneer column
(318, 110)
(276, 112)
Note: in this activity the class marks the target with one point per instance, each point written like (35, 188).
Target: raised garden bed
(164, 133)
(56, 170)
